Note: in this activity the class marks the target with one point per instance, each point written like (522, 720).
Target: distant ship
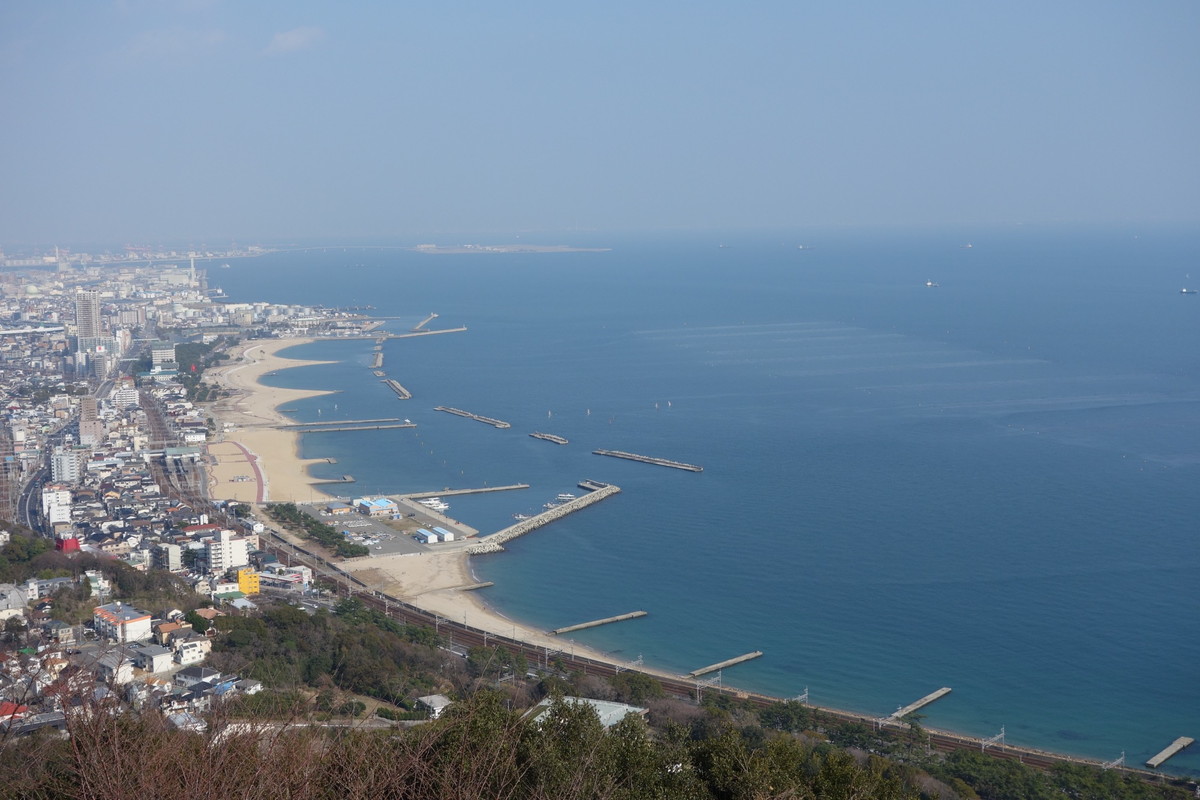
(931, 284)
(1186, 290)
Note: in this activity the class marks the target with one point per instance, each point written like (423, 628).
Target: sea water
(988, 484)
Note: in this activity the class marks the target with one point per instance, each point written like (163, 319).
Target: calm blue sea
(991, 484)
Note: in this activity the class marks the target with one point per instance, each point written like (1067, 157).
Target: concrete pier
(496, 423)
(662, 462)
(1172, 749)
(401, 392)
(696, 673)
(549, 437)
(426, 333)
(377, 361)
(495, 542)
(598, 622)
(343, 479)
(303, 426)
(924, 701)
(451, 492)
(339, 428)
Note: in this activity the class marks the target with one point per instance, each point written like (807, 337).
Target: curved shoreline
(424, 581)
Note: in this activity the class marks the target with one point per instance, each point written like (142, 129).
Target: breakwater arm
(662, 462)
(495, 542)
(497, 423)
(401, 392)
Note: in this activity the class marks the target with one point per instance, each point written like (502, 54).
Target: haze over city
(193, 120)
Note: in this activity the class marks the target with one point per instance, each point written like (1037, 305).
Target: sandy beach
(252, 461)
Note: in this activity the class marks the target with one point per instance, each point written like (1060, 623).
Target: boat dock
(421, 325)
(377, 361)
(901, 713)
(549, 437)
(729, 662)
(598, 622)
(497, 423)
(401, 392)
(1170, 750)
(495, 542)
(425, 333)
(343, 479)
(662, 462)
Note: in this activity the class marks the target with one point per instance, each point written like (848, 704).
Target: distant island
(507, 248)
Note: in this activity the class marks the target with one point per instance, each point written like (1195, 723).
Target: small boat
(1186, 290)
(520, 517)
(564, 496)
(931, 284)
(549, 506)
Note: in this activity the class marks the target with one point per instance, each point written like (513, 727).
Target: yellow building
(247, 581)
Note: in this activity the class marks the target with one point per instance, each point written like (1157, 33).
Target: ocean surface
(991, 484)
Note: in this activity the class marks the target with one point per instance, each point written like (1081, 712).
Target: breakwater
(729, 662)
(495, 542)
(498, 423)
(401, 392)
(598, 622)
(662, 462)
(548, 437)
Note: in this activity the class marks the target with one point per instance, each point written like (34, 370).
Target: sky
(203, 120)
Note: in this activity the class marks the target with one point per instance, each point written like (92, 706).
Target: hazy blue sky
(201, 121)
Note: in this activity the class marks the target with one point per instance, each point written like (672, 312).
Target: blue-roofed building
(375, 506)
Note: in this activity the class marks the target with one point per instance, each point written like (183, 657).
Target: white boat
(565, 496)
(1186, 290)
(931, 284)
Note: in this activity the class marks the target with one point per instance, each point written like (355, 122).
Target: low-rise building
(121, 623)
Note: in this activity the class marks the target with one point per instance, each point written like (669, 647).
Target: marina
(549, 437)
(496, 423)
(662, 462)
(495, 542)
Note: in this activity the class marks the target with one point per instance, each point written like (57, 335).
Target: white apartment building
(226, 552)
(121, 623)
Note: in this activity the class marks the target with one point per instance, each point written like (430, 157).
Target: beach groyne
(548, 437)
(598, 622)
(729, 662)
(495, 542)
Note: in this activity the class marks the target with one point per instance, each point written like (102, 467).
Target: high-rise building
(10, 475)
(87, 314)
(66, 465)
